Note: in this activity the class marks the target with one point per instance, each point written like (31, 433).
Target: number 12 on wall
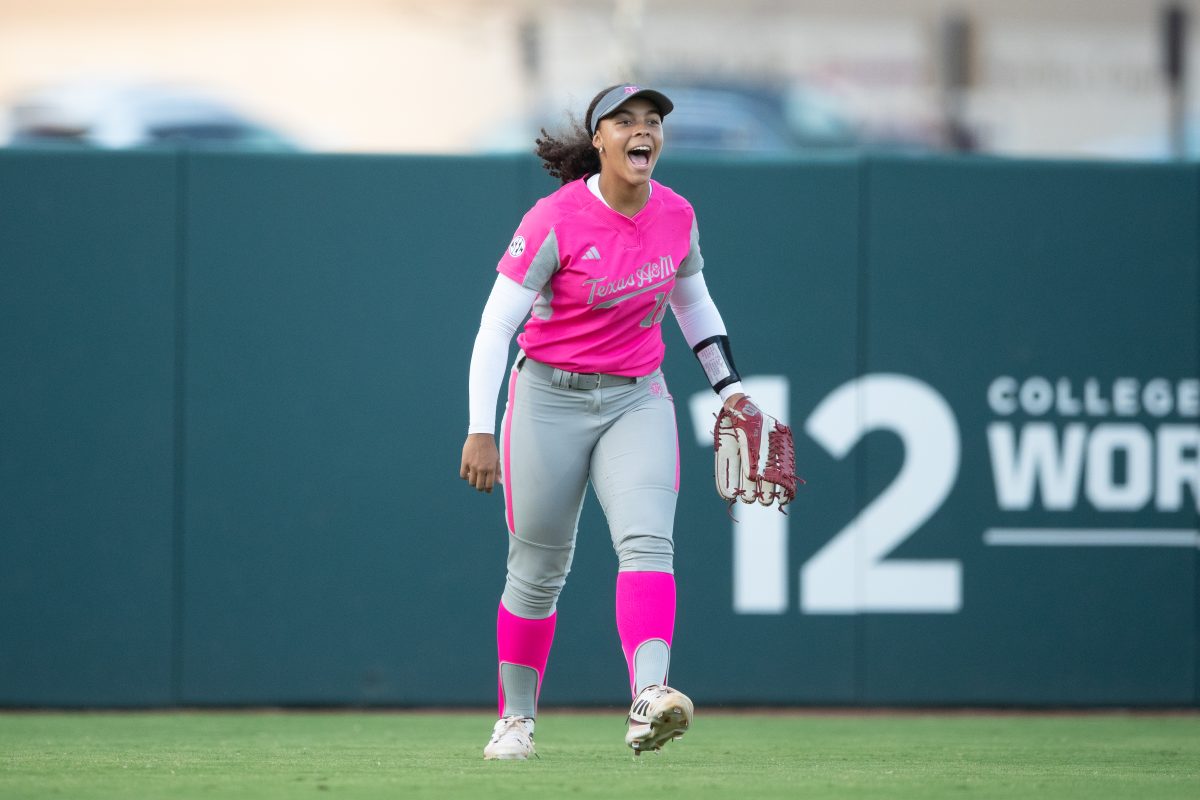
(850, 574)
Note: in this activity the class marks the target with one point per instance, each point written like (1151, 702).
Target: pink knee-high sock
(525, 642)
(645, 610)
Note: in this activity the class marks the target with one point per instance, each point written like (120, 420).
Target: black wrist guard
(717, 360)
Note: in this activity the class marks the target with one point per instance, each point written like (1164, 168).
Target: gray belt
(561, 379)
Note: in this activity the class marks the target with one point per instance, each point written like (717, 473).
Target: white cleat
(512, 740)
(658, 715)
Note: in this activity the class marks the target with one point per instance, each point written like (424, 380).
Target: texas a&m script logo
(646, 278)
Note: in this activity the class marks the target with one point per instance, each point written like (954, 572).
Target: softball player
(595, 265)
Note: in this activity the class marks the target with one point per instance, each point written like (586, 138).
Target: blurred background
(236, 238)
(1060, 78)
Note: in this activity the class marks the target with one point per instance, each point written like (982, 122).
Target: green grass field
(743, 756)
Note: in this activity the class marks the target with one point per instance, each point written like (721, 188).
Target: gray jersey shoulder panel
(693, 262)
(544, 264)
(541, 304)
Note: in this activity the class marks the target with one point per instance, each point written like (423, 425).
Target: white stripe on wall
(1092, 537)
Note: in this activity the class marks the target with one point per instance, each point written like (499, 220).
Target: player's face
(631, 141)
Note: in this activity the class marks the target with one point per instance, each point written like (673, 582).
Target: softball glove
(755, 456)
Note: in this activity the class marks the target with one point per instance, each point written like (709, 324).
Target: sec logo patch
(517, 246)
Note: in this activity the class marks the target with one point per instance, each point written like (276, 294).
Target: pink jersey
(603, 279)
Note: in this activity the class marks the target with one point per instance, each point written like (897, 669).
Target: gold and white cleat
(659, 714)
(512, 740)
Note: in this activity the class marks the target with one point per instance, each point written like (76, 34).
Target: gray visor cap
(620, 95)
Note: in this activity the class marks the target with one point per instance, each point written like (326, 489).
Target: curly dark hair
(569, 155)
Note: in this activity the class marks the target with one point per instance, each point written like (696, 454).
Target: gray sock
(651, 661)
(519, 684)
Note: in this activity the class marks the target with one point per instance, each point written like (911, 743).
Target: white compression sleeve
(506, 308)
(698, 317)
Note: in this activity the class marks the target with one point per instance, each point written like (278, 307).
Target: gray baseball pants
(553, 440)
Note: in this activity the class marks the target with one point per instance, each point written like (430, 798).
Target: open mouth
(640, 156)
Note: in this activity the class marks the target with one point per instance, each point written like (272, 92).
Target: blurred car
(134, 115)
(720, 120)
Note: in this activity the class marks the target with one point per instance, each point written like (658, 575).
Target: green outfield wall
(234, 398)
